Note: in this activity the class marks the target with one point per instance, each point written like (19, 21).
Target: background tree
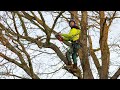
(24, 36)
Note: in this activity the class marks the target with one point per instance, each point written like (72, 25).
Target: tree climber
(73, 36)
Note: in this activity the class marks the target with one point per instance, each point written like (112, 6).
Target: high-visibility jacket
(73, 35)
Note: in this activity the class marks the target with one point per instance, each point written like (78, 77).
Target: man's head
(72, 23)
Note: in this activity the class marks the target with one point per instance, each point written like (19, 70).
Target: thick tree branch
(95, 59)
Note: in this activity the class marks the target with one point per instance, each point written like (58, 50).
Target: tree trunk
(87, 74)
(105, 53)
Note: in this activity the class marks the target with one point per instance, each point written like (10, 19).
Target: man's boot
(75, 67)
(69, 64)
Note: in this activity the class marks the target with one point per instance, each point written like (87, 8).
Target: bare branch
(23, 24)
(57, 19)
(10, 60)
(116, 75)
(111, 19)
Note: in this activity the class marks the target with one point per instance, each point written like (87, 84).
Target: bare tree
(16, 39)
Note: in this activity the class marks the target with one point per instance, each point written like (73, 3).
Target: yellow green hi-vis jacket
(73, 35)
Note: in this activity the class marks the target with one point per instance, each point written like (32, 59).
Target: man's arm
(73, 32)
(66, 35)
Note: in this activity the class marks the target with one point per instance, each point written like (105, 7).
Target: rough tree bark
(87, 73)
(105, 53)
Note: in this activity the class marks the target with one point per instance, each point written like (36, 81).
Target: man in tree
(73, 37)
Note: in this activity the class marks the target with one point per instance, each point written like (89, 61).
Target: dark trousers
(73, 51)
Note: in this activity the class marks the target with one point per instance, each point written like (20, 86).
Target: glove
(58, 36)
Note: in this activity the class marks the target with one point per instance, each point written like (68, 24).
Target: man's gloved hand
(59, 37)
